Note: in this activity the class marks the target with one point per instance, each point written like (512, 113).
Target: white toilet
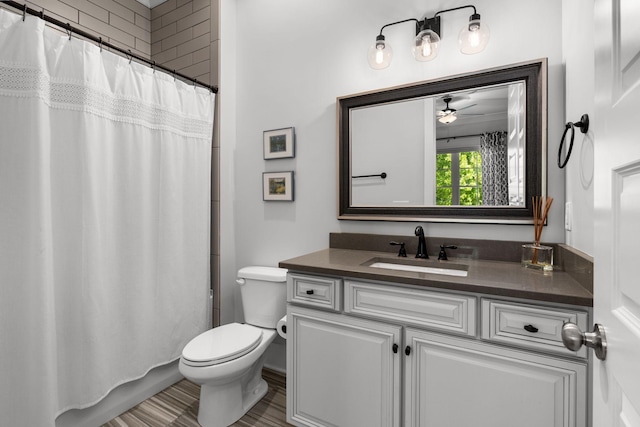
(227, 361)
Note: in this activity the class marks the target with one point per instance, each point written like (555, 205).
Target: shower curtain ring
(153, 66)
(69, 30)
(174, 74)
(100, 44)
(130, 56)
(24, 12)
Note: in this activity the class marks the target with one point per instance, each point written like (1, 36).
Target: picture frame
(279, 143)
(277, 186)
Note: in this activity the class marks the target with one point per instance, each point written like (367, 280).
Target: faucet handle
(403, 251)
(442, 256)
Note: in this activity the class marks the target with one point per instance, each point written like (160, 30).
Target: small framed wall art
(277, 186)
(279, 143)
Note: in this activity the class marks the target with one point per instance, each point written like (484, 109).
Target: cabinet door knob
(395, 348)
(310, 292)
(530, 328)
(407, 350)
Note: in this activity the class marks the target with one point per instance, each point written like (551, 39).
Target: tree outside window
(459, 178)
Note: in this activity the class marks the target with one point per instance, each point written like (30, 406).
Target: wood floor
(177, 406)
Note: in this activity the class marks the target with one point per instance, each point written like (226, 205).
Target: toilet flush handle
(240, 281)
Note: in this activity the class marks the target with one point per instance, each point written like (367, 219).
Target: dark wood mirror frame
(533, 73)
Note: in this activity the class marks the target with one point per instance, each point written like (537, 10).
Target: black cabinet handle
(407, 350)
(310, 292)
(395, 348)
(530, 328)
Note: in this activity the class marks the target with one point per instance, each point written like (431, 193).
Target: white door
(616, 387)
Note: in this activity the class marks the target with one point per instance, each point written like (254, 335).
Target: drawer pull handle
(395, 348)
(310, 292)
(530, 328)
(407, 350)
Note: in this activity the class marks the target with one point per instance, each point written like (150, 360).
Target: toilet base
(223, 405)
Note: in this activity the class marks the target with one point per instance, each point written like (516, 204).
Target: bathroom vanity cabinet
(364, 352)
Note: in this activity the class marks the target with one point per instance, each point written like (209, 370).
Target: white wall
(293, 58)
(578, 60)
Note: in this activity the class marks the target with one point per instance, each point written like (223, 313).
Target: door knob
(573, 338)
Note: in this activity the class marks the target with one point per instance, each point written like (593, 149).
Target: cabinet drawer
(530, 326)
(434, 310)
(313, 291)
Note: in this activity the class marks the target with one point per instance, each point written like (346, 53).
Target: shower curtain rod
(130, 55)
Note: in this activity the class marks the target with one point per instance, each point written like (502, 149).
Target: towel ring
(583, 124)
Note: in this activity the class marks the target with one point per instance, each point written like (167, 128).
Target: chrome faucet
(422, 244)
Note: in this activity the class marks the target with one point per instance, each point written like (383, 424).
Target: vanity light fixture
(473, 38)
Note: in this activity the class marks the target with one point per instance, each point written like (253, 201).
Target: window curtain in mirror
(104, 220)
(495, 180)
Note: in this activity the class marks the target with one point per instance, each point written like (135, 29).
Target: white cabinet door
(341, 371)
(459, 383)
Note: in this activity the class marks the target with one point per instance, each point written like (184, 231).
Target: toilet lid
(221, 344)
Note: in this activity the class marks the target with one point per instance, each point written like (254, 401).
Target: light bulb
(425, 46)
(380, 54)
(474, 37)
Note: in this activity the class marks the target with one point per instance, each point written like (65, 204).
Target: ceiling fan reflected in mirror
(449, 114)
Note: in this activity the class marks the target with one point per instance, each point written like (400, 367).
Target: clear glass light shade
(474, 37)
(425, 46)
(379, 55)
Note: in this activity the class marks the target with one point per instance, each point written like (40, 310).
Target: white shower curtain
(104, 220)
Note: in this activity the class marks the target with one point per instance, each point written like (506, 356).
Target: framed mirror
(465, 148)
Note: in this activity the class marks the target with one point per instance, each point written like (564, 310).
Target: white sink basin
(420, 269)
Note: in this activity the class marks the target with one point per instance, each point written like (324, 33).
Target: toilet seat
(221, 344)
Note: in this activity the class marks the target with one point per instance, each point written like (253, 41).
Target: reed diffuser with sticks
(536, 255)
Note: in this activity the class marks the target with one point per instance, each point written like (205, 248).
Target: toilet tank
(264, 295)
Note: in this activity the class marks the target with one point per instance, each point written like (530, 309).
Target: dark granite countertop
(501, 278)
